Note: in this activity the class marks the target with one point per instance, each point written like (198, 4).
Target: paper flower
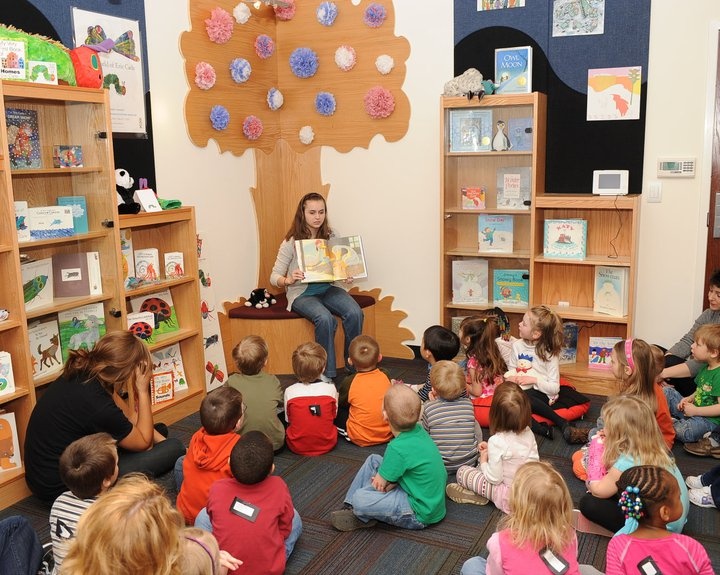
(307, 135)
(325, 104)
(303, 62)
(345, 57)
(384, 64)
(219, 26)
(326, 13)
(285, 13)
(204, 76)
(264, 46)
(379, 102)
(219, 117)
(240, 70)
(275, 98)
(375, 15)
(241, 13)
(252, 127)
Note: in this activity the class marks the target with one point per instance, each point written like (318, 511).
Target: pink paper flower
(379, 102)
(204, 76)
(219, 26)
(285, 13)
(252, 127)
(264, 46)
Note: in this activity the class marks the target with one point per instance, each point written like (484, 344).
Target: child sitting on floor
(202, 556)
(438, 343)
(361, 395)
(221, 415)
(448, 417)
(261, 391)
(705, 489)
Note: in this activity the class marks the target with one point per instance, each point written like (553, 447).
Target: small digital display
(609, 181)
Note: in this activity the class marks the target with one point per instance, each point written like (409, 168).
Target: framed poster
(122, 66)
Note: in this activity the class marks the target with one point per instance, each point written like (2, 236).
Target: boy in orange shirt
(208, 455)
(361, 396)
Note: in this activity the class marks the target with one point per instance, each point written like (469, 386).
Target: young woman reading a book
(88, 398)
(318, 302)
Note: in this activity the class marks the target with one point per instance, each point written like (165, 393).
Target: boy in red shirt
(207, 459)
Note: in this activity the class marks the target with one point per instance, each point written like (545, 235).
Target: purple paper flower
(375, 15)
(326, 13)
(325, 104)
(264, 46)
(204, 76)
(252, 127)
(219, 26)
(219, 117)
(379, 102)
(303, 62)
(240, 70)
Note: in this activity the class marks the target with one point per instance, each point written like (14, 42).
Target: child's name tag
(244, 509)
(556, 565)
(648, 567)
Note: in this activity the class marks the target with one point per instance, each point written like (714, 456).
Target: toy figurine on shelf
(123, 186)
(501, 142)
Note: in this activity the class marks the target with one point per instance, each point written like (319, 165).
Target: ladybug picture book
(160, 304)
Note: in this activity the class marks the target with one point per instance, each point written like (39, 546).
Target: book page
(348, 257)
(327, 261)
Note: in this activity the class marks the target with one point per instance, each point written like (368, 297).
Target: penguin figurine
(501, 142)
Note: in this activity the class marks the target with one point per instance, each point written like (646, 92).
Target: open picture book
(331, 260)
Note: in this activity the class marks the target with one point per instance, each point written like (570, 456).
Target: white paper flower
(384, 64)
(275, 99)
(345, 57)
(307, 135)
(241, 13)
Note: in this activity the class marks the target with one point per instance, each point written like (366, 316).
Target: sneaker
(575, 435)
(701, 497)
(693, 482)
(461, 495)
(703, 448)
(584, 525)
(325, 379)
(346, 520)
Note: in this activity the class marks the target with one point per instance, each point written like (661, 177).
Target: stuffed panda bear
(125, 195)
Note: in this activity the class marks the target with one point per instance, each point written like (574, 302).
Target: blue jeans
(20, 549)
(474, 566)
(392, 507)
(321, 310)
(203, 522)
(179, 475)
(687, 429)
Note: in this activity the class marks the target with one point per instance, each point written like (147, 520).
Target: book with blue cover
(78, 204)
(511, 288)
(600, 352)
(565, 239)
(513, 70)
(470, 130)
(568, 351)
(520, 134)
(495, 233)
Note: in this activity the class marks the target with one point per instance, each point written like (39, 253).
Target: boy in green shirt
(406, 487)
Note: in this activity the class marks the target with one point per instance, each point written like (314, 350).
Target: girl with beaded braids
(649, 500)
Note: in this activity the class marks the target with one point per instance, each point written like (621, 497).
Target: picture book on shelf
(45, 350)
(568, 352)
(7, 379)
(21, 221)
(600, 350)
(48, 222)
(513, 70)
(141, 324)
(37, 279)
(455, 322)
(147, 264)
(9, 442)
(565, 239)
(78, 206)
(331, 260)
(472, 198)
(513, 188)
(23, 139)
(81, 327)
(161, 387)
(127, 255)
(495, 233)
(174, 264)
(511, 288)
(520, 134)
(170, 359)
(14, 59)
(161, 305)
(76, 274)
(611, 290)
(470, 130)
(470, 281)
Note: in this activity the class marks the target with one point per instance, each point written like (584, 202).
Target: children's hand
(349, 280)
(482, 446)
(690, 409)
(379, 484)
(228, 562)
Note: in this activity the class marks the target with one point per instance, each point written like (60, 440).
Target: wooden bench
(284, 330)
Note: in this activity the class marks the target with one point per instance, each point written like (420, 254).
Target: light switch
(654, 192)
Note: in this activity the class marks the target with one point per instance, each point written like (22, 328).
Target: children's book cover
(13, 59)
(23, 139)
(174, 264)
(37, 279)
(78, 205)
(511, 288)
(495, 233)
(162, 387)
(611, 290)
(21, 221)
(48, 222)
(568, 352)
(499, 4)
(170, 359)
(9, 442)
(578, 17)
(141, 324)
(513, 188)
(470, 281)
(614, 93)
(600, 350)
(513, 70)
(520, 134)
(471, 130)
(565, 239)
(161, 305)
(81, 327)
(70, 274)
(473, 198)
(147, 264)
(45, 351)
(7, 379)
(127, 256)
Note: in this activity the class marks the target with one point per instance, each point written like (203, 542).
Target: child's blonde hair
(364, 352)
(631, 430)
(639, 370)
(549, 324)
(510, 409)
(481, 333)
(447, 379)
(709, 334)
(201, 554)
(132, 528)
(250, 354)
(402, 407)
(540, 509)
(308, 361)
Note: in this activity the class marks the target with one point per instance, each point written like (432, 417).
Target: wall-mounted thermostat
(676, 168)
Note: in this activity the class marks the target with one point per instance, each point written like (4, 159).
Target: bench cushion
(278, 311)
